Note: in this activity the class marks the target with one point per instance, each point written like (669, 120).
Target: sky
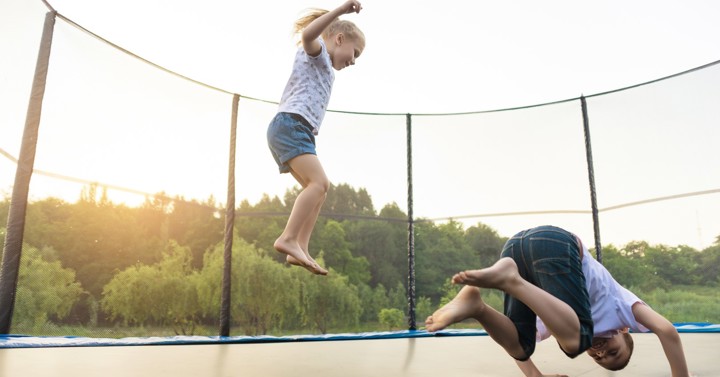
(421, 57)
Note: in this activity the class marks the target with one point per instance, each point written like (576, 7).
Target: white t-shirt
(610, 303)
(307, 92)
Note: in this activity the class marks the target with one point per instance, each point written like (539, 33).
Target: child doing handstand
(546, 272)
(327, 44)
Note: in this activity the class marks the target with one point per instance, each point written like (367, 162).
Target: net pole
(411, 229)
(591, 178)
(229, 225)
(12, 250)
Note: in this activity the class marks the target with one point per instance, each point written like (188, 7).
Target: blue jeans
(550, 258)
(288, 136)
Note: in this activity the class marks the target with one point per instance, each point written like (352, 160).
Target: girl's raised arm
(314, 30)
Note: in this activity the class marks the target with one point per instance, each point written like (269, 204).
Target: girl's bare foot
(498, 276)
(316, 269)
(467, 304)
(296, 256)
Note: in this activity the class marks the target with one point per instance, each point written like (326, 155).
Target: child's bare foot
(467, 304)
(497, 276)
(297, 257)
(316, 269)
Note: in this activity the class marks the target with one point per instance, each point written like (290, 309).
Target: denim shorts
(288, 136)
(550, 258)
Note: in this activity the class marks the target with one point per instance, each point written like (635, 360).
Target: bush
(391, 318)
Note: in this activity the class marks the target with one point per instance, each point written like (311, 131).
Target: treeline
(94, 263)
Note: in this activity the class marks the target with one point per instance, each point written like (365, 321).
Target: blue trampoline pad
(456, 353)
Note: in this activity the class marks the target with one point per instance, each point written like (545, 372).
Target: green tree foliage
(93, 237)
(383, 243)
(423, 309)
(162, 293)
(328, 302)
(486, 244)
(144, 264)
(331, 239)
(262, 223)
(629, 268)
(45, 288)
(345, 200)
(441, 251)
(673, 264)
(397, 297)
(373, 299)
(197, 225)
(708, 265)
(264, 292)
(391, 319)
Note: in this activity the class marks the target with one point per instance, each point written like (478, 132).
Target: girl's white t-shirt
(307, 92)
(610, 303)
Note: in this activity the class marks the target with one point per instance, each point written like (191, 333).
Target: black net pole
(26, 161)
(411, 230)
(591, 177)
(229, 226)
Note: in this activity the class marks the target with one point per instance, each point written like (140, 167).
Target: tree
(197, 225)
(262, 224)
(96, 238)
(486, 243)
(336, 253)
(708, 265)
(345, 200)
(628, 268)
(163, 293)
(423, 309)
(383, 243)
(328, 302)
(375, 300)
(44, 288)
(264, 292)
(441, 251)
(676, 265)
(398, 298)
(391, 318)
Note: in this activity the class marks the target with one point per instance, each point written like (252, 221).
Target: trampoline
(405, 353)
(401, 353)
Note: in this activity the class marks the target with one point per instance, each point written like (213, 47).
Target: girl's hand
(351, 6)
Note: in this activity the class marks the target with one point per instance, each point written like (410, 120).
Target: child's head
(344, 40)
(612, 353)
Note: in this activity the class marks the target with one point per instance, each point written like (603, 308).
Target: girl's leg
(559, 317)
(469, 304)
(306, 232)
(309, 173)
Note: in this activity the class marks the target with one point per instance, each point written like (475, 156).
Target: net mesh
(131, 177)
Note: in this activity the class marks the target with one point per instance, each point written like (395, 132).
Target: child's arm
(530, 370)
(311, 33)
(668, 336)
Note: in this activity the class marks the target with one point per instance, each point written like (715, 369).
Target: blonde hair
(345, 27)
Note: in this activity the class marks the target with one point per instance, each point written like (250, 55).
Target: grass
(686, 303)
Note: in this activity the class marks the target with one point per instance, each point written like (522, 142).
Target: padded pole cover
(225, 300)
(18, 202)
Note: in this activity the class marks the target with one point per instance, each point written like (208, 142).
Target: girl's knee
(322, 186)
